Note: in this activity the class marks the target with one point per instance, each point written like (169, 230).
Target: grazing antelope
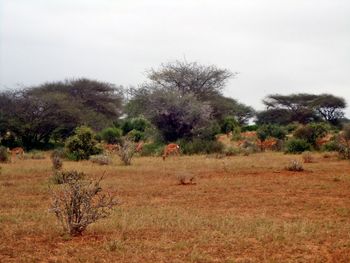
(171, 148)
(139, 147)
(16, 152)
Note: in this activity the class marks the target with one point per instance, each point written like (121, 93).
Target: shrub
(101, 159)
(311, 132)
(135, 135)
(4, 155)
(82, 144)
(152, 149)
(111, 135)
(271, 130)
(253, 127)
(185, 179)
(61, 177)
(79, 203)
(229, 124)
(198, 146)
(231, 151)
(126, 151)
(295, 166)
(343, 141)
(331, 146)
(138, 124)
(307, 157)
(297, 146)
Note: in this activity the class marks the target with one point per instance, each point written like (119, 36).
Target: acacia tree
(37, 114)
(304, 108)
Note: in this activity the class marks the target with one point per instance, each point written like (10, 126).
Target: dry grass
(242, 209)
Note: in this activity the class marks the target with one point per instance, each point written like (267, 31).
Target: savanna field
(238, 209)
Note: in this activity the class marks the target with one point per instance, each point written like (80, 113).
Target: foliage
(152, 149)
(305, 108)
(82, 144)
(231, 151)
(79, 203)
(344, 142)
(138, 123)
(311, 132)
(136, 135)
(297, 146)
(35, 115)
(271, 130)
(295, 166)
(252, 127)
(4, 155)
(35, 155)
(229, 124)
(198, 146)
(111, 135)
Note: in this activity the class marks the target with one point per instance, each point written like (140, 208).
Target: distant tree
(330, 108)
(274, 116)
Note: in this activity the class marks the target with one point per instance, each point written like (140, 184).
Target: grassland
(241, 209)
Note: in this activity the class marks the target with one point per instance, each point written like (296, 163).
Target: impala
(171, 148)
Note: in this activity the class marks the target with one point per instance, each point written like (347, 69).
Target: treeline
(179, 101)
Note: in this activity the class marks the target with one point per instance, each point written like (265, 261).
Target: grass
(242, 209)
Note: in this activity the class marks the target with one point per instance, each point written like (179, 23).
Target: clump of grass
(295, 166)
(35, 155)
(231, 151)
(56, 160)
(79, 203)
(185, 179)
(101, 159)
(307, 157)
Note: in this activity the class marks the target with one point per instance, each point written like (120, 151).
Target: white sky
(277, 46)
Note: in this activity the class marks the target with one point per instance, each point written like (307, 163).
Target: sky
(276, 46)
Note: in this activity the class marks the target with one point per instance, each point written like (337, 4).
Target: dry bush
(231, 151)
(185, 178)
(34, 155)
(101, 159)
(295, 166)
(79, 203)
(63, 177)
(56, 160)
(126, 151)
(307, 157)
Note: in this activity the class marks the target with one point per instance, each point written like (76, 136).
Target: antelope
(171, 148)
(139, 147)
(16, 152)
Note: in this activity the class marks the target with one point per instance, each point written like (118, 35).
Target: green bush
(250, 128)
(229, 124)
(135, 135)
(152, 149)
(271, 130)
(139, 124)
(198, 146)
(4, 155)
(111, 135)
(331, 146)
(311, 132)
(82, 144)
(297, 146)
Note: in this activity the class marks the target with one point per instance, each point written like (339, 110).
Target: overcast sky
(277, 46)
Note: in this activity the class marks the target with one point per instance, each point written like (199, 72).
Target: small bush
(271, 130)
(82, 144)
(136, 136)
(231, 151)
(295, 166)
(126, 151)
(198, 146)
(61, 177)
(297, 146)
(101, 159)
(79, 203)
(111, 135)
(152, 149)
(4, 155)
(307, 157)
(311, 132)
(331, 146)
